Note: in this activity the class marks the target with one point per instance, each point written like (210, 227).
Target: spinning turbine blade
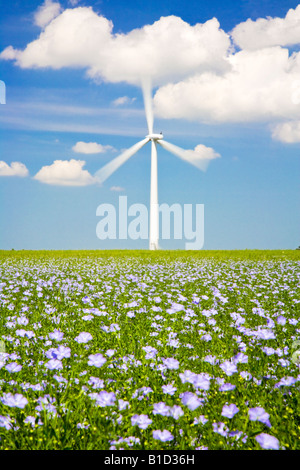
(146, 86)
(189, 156)
(105, 172)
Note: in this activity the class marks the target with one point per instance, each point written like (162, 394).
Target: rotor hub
(155, 136)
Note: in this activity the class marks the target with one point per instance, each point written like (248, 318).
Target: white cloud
(46, 13)
(14, 169)
(266, 32)
(116, 188)
(65, 173)
(260, 86)
(90, 147)
(201, 152)
(166, 50)
(123, 100)
(288, 132)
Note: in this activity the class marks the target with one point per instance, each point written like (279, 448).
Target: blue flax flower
(266, 441)
(17, 400)
(229, 410)
(96, 360)
(142, 421)
(162, 436)
(259, 414)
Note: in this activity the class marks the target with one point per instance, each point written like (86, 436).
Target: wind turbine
(187, 155)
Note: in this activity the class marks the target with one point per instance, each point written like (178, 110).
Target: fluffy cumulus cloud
(65, 173)
(266, 32)
(288, 132)
(260, 86)
(169, 48)
(199, 74)
(46, 12)
(14, 169)
(90, 148)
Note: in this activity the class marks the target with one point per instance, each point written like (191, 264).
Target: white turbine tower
(187, 155)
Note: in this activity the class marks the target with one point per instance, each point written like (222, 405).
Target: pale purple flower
(58, 353)
(131, 304)
(83, 337)
(22, 320)
(220, 428)
(114, 327)
(284, 362)
(150, 352)
(229, 410)
(246, 375)
(236, 434)
(13, 367)
(142, 421)
(206, 337)
(226, 387)
(265, 334)
(286, 382)
(123, 404)
(266, 441)
(46, 404)
(268, 351)
(200, 420)
(87, 317)
(228, 367)
(95, 382)
(56, 335)
(201, 381)
(96, 360)
(187, 376)
(162, 436)
(240, 358)
(104, 398)
(141, 392)
(169, 389)
(54, 364)
(17, 400)
(259, 414)
(191, 400)
(211, 359)
(20, 332)
(110, 352)
(176, 412)
(5, 422)
(161, 409)
(175, 308)
(171, 363)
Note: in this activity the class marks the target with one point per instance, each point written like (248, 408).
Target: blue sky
(250, 194)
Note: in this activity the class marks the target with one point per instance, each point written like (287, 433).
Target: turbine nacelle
(155, 136)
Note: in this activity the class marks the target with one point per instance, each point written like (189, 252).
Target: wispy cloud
(123, 100)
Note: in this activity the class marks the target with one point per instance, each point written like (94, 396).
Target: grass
(165, 323)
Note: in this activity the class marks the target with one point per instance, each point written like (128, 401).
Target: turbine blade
(105, 172)
(147, 94)
(189, 156)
